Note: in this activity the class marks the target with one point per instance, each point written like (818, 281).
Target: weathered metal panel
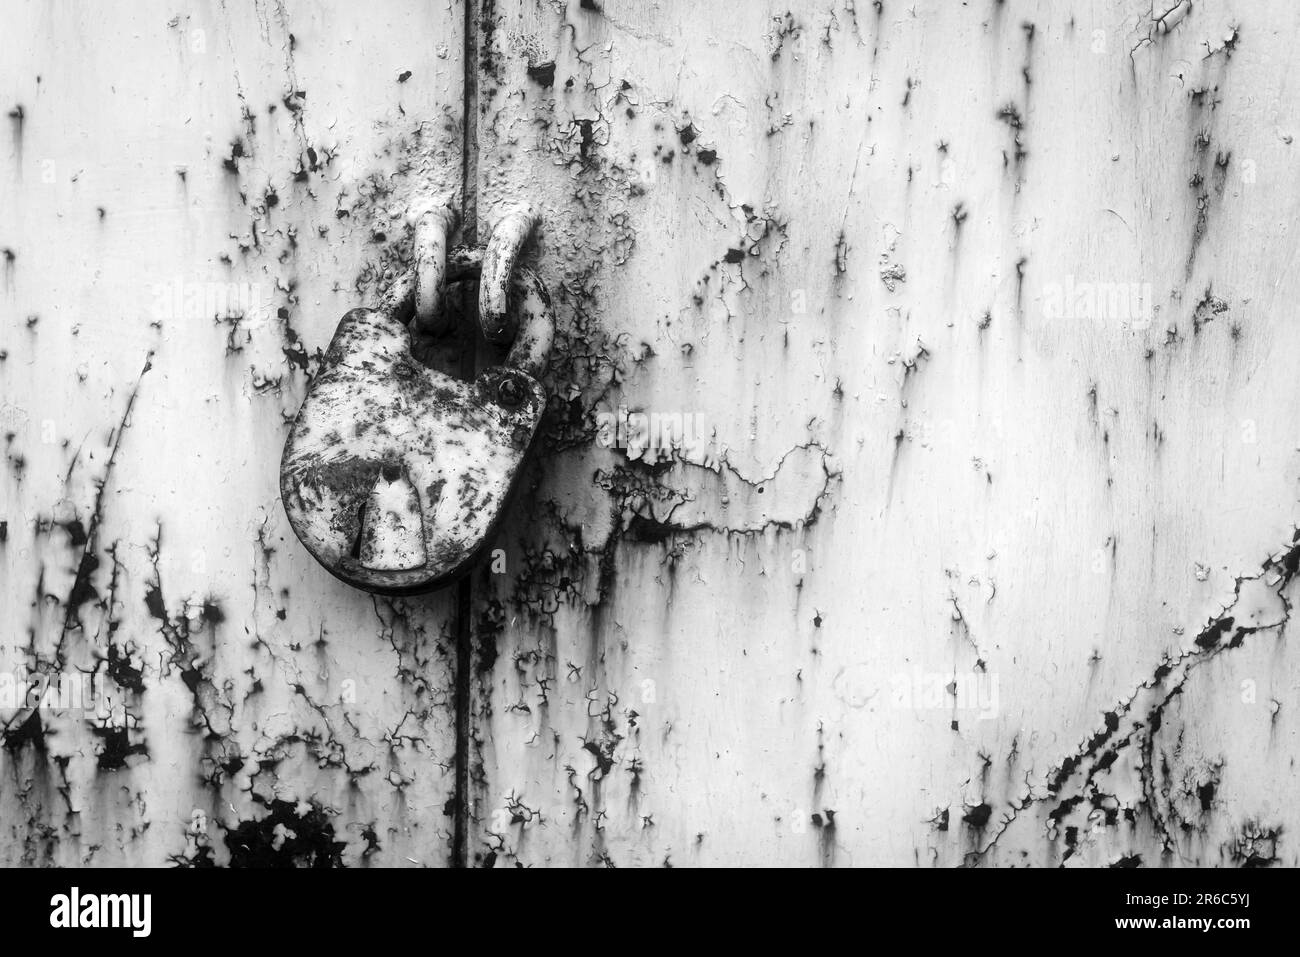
(981, 554)
(191, 203)
(917, 485)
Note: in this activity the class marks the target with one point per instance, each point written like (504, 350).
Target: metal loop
(514, 304)
(534, 318)
(432, 231)
(509, 234)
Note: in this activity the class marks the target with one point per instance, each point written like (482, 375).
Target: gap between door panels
(465, 588)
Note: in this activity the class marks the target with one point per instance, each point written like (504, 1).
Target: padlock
(394, 475)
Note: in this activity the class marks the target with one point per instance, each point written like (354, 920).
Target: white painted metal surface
(983, 309)
(921, 410)
(192, 202)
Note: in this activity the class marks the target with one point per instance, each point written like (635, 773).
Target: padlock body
(394, 475)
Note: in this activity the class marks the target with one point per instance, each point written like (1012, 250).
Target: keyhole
(361, 531)
(392, 525)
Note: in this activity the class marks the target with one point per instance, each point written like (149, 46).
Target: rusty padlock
(394, 476)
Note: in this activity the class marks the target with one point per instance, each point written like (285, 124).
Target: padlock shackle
(533, 316)
(433, 231)
(433, 267)
(530, 315)
(509, 233)
(527, 316)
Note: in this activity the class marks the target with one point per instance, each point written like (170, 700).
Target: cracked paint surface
(224, 196)
(975, 540)
(935, 588)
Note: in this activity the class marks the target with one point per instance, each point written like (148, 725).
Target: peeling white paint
(962, 529)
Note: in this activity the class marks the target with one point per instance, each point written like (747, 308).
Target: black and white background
(917, 487)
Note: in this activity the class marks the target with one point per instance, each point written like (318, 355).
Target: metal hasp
(395, 475)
